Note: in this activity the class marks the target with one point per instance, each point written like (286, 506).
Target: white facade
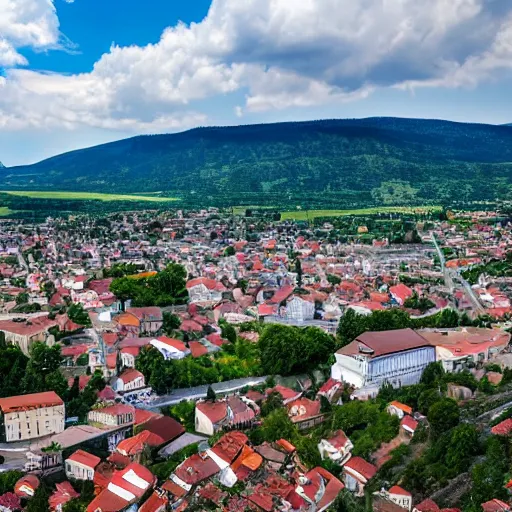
(32, 423)
(168, 351)
(300, 309)
(398, 368)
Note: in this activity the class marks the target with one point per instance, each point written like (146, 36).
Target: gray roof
(182, 442)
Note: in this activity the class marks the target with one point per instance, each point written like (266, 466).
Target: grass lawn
(86, 196)
(312, 214)
(5, 211)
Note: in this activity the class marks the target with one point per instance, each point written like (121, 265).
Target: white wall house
(300, 309)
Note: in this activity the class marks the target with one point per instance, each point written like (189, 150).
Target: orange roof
(27, 402)
(85, 458)
(253, 461)
(398, 490)
(286, 445)
(128, 319)
(402, 407)
(143, 275)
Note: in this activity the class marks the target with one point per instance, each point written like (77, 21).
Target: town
(234, 360)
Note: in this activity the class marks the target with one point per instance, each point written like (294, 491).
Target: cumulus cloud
(279, 54)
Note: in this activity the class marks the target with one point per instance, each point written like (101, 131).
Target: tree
(22, 298)
(432, 374)
(428, 398)
(228, 332)
(298, 271)
(273, 402)
(8, 479)
(55, 381)
(77, 314)
(230, 251)
(39, 502)
(351, 325)
(463, 445)
(210, 394)
(277, 425)
(443, 415)
(170, 322)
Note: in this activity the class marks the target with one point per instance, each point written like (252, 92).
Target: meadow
(87, 196)
(309, 215)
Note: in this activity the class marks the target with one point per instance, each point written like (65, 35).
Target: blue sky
(83, 72)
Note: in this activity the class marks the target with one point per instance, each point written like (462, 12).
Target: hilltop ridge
(346, 162)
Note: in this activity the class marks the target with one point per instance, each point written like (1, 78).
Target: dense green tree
(273, 401)
(229, 251)
(277, 426)
(77, 314)
(298, 271)
(428, 398)
(8, 479)
(432, 374)
(228, 332)
(210, 394)
(443, 415)
(22, 298)
(171, 322)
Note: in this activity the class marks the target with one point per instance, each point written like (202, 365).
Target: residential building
(129, 380)
(337, 448)
(150, 319)
(80, 465)
(113, 416)
(26, 417)
(357, 473)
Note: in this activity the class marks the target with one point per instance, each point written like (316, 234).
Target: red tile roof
(62, 495)
(402, 407)
(130, 375)
(209, 283)
(32, 401)
(84, 458)
(427, 506)
(286, 393)
(362, 467)
(495, 505)
(229, 445)
(174, 343)
(214, 411)
(303, 408)
(196, 469)
(398, 490)
(502, 429)
(409, 422)
(29, 481)
(197, 349)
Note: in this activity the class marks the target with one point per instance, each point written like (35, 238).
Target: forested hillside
(343, 163)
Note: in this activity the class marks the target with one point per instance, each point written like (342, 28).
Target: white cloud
(279, 54)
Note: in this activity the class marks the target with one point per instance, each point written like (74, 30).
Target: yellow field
(86, 196)
(312, 214)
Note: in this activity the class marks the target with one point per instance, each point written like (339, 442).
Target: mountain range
(335, 163)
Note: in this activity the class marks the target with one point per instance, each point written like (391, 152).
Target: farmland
(312, 214)
(87, 196)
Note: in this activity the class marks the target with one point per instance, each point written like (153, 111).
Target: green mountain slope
(343, 163)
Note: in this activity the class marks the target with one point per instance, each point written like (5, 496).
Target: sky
(76, 73)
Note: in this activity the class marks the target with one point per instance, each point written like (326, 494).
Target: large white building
(373, 358)
(30, 416)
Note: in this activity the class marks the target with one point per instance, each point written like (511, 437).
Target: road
(178, 395)
(451, 277)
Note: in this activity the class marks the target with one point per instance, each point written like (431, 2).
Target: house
(203, 289)
(305, 413)
(25, 333)
(495, 505)
(170, 348)
(398, 409)
(124, 488)
(504, 428)
(80, 465)
(26, 486)
(337, 448)
(150, 319)
(129, 380)
(400, 293)
(398, 496)
(234, 411)
(397, 357)
(331, 390)
(288, 395)
(63, 493)
(357, 473)
(408, 425)
(426, 506)
(113, 416)
(26, 417)
(317, 488)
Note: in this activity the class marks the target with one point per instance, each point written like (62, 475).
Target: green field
(86, 196)
(312, 214)
(5, 211)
